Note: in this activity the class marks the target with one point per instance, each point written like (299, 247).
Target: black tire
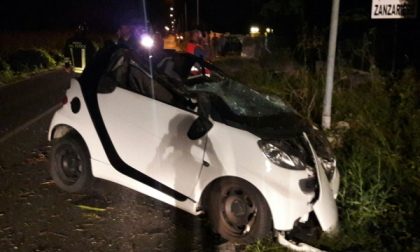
(70, 165)
(238, 211)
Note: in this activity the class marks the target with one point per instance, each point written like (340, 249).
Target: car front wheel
(238, 211)
(70, 164)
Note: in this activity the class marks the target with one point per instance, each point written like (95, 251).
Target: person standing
(78, 51)
(128, 35)
(194, 46)
(131, 34)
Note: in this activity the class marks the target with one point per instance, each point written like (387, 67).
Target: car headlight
(329, 167)
(282, 153)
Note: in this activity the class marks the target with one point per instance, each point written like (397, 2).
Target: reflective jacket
(195, 49)
(78, 51)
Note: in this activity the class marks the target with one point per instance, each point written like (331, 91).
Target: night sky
(57, 15)
(104, 15)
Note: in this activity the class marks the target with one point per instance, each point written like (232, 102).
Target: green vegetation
(25, 60)
(5, 73)
(22, 53)
(378, 155)
(21, 62)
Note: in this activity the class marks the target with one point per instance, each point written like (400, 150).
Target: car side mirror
(202, 124)
(199, 128)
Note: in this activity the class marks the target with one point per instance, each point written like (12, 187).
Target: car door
(148, 133)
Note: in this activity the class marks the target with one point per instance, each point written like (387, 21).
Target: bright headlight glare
(146, 41)
(279, 157)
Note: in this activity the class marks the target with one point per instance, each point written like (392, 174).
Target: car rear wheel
(238, 211)
(70, 164)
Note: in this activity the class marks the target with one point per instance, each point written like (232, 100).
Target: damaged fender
(325, 207)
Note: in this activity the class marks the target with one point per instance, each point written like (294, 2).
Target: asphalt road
(37, 216)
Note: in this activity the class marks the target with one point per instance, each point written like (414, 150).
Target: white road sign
(394, 9)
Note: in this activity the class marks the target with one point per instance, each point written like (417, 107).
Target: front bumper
(323, 215)
(293, 203)
(325, 207)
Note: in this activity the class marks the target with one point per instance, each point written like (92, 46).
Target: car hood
(286, 126)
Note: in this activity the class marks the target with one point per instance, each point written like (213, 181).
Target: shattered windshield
(242, 100)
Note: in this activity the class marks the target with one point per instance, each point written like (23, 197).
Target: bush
(24, 60)
(378, 160)
(6, 76)
(5, 73)
(57, 56)
(379, 165)
(245, 70)
(4, 66)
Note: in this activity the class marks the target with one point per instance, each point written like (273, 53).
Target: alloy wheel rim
(239, 211)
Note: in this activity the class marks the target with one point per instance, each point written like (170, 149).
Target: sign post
(381, 9)
(332, 44)
(198, 13)
(394, 9)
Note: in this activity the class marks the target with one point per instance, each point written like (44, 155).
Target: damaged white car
(178, 129)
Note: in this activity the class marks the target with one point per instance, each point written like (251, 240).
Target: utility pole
(326, 114)
(146, 21)
(198, 13)
(146, 24)
(186, 15)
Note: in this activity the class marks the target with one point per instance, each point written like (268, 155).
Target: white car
(177, 129)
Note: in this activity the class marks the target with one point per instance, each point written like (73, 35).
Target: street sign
(394, 9)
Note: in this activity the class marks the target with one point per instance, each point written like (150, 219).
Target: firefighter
(194, 46)
(78, 51)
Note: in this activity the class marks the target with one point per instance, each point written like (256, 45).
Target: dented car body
(178, 129)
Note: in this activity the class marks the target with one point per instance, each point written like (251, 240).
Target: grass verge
(378, 156)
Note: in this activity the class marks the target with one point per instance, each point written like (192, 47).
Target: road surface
(36, 216)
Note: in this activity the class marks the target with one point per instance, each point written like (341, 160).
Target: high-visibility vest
(191, 48)
(78, 56)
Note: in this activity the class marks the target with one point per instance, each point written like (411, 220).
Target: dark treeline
(100, 15)
(299, 24)
(362, 41)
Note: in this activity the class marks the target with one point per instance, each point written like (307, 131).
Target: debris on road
(229, 247)
(49, 182)
(26, 195)
(90, 208)
(58, 234)
(37, 158)
(91, 216)
(293, 246)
